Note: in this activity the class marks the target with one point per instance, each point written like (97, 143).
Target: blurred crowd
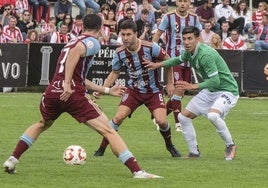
(224, 26)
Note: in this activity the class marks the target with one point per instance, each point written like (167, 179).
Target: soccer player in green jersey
(219, 90)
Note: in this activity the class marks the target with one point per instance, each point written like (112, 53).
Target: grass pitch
(42, 164)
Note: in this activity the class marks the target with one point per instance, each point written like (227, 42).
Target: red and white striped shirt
(229, 44)
(58, 37)
(20, 6)
(106, 31)
(257, 17)
(77, 29)
(12, 33)
(3, 39)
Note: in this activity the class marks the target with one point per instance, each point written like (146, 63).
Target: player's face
(190, 42)
(129, 37)
(182, 5)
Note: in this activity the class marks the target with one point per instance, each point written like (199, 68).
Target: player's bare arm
(152, 65)
(170, 81)
(116, 90)
(157, 35)
(109, 81)
(70, 64)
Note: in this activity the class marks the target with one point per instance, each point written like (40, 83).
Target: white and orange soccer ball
(74, 155)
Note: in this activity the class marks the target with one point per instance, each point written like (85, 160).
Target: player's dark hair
(191, 29)
(129, 24)
(92, 22)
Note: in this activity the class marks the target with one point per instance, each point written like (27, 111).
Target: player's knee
(213, 117)
(162, 122)
(183, 119)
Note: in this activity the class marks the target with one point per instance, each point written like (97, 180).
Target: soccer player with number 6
(143, 85)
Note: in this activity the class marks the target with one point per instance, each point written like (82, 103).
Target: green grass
(42, 165)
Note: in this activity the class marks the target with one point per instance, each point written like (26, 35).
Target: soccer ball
(74, 155)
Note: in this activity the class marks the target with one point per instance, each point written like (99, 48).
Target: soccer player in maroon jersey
(173, 23)
(143, 86)
(67, 93)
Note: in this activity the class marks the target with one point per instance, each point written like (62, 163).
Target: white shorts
(206, 100)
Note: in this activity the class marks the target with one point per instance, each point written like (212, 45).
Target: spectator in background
(36, 4)
(132, 4)
(162, 10)
(191, 8)
(2, 36)
(77, 25)
(206, 34)
(5, 2)
(234, 42)
(12, 32)
(144, 28)
(48, 29)
(145, 5)
(261, 31)
(123, 13)
(112, 24)
(241, 10)
(20, 6)
(84, 4)
(61, 8)
(205, 13)
(25, 23)
(224, 32)
(112, 4)
(259, 13)
(103, 13)
(4, 18)
(32, 36)
(129, 15)
(62, 36)
(224, 12)
(68, 19)
(215, 41)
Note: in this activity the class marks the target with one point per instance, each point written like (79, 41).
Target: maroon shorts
(133, 99)
(79, 107)
(182, 73)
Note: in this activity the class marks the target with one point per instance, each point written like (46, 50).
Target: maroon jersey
(78, 81)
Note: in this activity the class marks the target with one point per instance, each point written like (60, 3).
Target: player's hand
(151, 65)
(170, 89)
(96, 94)
(67, 91)
(117, 90)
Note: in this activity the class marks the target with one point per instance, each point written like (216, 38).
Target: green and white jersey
(208, 63)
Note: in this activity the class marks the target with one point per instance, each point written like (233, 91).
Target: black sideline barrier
(254, 79)
(13, 59)
(247, 67)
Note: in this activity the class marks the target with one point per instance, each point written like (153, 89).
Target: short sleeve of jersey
(164, 23)
(158, 52)
(116, 62)
(92, 45)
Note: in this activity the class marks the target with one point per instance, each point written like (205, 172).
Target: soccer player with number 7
(67, 93)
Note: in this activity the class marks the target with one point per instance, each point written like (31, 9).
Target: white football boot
(10, 165)
(144, 175)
